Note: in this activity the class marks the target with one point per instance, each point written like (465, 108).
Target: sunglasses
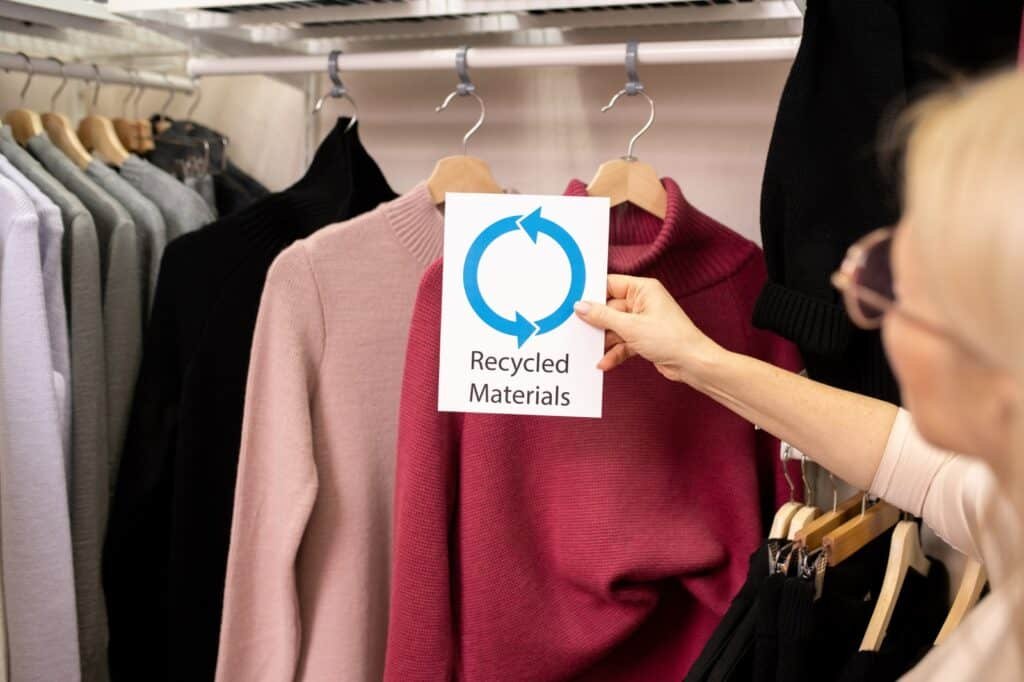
(865, 280)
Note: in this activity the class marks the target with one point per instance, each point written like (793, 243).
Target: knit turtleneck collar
(638, 239)
(417, 222)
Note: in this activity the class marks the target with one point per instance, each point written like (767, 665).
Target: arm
(260, 637)
(844, 432)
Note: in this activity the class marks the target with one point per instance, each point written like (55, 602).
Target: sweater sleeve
(277, 480)
(420, 631)
(957, 496)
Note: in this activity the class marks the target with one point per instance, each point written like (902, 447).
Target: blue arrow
(520, 327)
(532, 224)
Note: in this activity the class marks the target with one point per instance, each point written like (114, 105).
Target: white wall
(543, 127)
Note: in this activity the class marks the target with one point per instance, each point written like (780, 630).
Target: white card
(514, 265)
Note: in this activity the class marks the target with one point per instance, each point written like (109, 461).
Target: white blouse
(960, 499)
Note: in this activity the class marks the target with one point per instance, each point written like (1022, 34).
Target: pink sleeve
(956, 496)
(277, 481)
(420, 631)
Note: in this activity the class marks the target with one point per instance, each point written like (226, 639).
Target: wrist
(705, 365)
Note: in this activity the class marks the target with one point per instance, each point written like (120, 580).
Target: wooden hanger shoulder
(814, 532)
(966, 597)
(852, 536)
(63, 136)
(800, 520)
(128, 132)
(905, 553)
(631, 181)
(783, 517)
(25, 124)
(98, 135)
(461, 174)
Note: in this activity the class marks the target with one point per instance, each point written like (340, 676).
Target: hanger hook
(835, 491)
(138, 96)
(338, 90)
(195, 100)
(633, 87)
(99, 83)
(786, 455)
(131, 91)
(808, 488)
(463, 89)
(31, 72)
(170, 97)
(63, 83)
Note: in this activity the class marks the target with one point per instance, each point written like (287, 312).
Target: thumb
(601, 316)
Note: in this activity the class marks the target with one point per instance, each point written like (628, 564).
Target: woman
(949, 303)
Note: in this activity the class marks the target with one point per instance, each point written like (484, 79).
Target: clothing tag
(515, 264)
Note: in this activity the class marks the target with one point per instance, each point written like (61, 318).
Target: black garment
(824, 185)
(921, 609)
(233, 188)
(766, 635)
(730, 629)
(165, 554)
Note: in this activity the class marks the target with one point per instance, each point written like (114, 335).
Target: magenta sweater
(549, 548)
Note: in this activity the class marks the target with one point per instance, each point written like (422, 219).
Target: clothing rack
(674, 52)
(108, 75)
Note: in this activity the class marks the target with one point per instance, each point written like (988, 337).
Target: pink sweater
(548, 548)
(307, 580)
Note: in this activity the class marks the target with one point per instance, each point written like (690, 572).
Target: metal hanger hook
(338, 90)
(131, 90)
(31, 72)
(808, 488)
(63, 83)
(787, 453)
(138, 96)
(99, 83)
(463, 89)
(195, 100)
(170, 97)
(633, 87)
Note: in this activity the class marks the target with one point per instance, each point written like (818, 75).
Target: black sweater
(167, 540)
(825, 185)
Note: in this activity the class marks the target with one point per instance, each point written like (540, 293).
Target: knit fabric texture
(548, 548)
(35, 530)
(318, 450)
(166, 550)
(183, 209)
(150, 228)
(825, 181)
(88, 472)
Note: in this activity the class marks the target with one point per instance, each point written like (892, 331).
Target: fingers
(614, 357)
(618, 285)
(600, 315)
(612, 339)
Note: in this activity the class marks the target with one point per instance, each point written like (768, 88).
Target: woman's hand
(641, 318)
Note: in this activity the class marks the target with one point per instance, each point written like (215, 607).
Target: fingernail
(581, 307)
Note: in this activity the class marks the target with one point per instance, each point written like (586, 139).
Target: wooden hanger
(97, 132)
(127, 129)
(25, 123)
(967, 596)
(627, 179)
(63, 136)
(812, 534)
(852, 536)
(905, 553)
(785, 513)
(809, 511)
(59, 130)
(462, 173)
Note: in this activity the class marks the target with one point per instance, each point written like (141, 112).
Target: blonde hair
(964, 189)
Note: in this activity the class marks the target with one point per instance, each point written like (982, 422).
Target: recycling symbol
(532, 225)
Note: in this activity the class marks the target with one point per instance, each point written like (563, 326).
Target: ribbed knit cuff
(418, 223)
(815, 326)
